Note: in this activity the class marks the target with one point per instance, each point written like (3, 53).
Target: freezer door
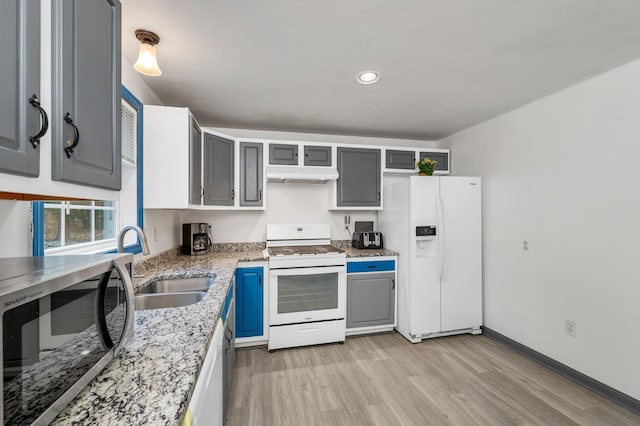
(424, 297)
(461, 279)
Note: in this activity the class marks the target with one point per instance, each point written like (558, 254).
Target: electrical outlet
(570, 328)
(347, 220)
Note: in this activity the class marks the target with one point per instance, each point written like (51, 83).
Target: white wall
(563, 174)
(286, 203)
(15, 228)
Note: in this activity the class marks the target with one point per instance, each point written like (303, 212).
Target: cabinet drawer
(372, 266)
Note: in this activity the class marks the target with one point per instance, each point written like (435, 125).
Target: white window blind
(129, 118)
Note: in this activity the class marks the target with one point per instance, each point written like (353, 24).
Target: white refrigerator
(434, 223)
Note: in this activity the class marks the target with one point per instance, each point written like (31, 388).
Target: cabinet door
(283, 154)
(20, 71)
(250, 174)
(442, 159)
(249, 302)
(195, 163)
(370, 300)
(400, 159)
(359, 177)
(86, 92)
(317, 156)
(218, 171)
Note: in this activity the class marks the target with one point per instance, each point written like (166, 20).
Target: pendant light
(147, 63)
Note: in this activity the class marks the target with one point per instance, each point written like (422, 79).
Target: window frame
(38, 206)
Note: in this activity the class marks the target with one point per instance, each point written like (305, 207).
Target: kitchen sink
(178, 285)
(167, 300)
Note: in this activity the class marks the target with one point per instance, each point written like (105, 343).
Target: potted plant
(426, 166)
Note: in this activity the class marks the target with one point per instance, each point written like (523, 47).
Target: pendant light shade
(147, 63)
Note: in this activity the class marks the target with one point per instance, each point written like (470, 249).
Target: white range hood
(298, 174)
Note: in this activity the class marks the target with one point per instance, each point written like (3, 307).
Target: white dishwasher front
(205, 406)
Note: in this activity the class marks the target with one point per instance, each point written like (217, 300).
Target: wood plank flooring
(385, 380)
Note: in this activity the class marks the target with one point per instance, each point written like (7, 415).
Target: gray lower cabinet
(228, 353)
(396, 159)
(317, 155)
(359, 178)
(251, 174)
(85, 114)
(195, 163)
(283, 154)
(218, 171)
(21, 124)
(370, 299)
(441, 158)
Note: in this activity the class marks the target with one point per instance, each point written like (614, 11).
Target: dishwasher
(205, 406)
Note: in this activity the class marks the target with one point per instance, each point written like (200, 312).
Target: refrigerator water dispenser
(426, 241)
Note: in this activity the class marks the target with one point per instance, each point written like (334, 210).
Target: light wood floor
(385, 380)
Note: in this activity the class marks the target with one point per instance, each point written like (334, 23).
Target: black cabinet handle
(394, 284)
(260, 195)
(260, 280)
(76, 136)
(378, 195)
(201, 192)
(35, 140)
(233, 194)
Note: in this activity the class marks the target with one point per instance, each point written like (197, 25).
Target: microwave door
(69, 343)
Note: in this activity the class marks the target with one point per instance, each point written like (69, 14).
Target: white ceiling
(445, 64)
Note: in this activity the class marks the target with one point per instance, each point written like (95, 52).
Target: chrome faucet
(141, 235)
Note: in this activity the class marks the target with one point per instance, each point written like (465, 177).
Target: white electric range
(307, 286)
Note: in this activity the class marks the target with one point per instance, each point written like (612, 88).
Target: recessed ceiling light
(368, 77)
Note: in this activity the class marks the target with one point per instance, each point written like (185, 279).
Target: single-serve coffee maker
(195, 238)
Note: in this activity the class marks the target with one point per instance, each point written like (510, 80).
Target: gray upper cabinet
(21, 122)
(317, 155)
(218, 171)
(396, 159)
(195, 163)
(442, 159)
(283, 154)
(370, 299)
(359, 178)
(251, 174)
(85, 112)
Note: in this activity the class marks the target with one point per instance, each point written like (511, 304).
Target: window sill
(107, 246)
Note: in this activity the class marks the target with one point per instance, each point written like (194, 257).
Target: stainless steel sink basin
(178, 285)
(167, 300)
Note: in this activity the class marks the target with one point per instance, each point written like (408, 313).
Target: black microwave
(63, 319)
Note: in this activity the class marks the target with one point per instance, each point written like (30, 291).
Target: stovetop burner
(302, 250)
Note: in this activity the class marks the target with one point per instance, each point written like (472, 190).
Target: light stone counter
(151, 381)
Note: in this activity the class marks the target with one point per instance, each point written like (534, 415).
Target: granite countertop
(354, 252)
(151, 381)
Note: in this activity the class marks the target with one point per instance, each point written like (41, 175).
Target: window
(76, 223)
(74, 227)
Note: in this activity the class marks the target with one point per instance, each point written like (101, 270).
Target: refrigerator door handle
(442, 247)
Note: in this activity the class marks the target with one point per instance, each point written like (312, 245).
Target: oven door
(300, 295)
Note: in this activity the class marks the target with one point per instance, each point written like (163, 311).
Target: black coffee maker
(195, 238)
